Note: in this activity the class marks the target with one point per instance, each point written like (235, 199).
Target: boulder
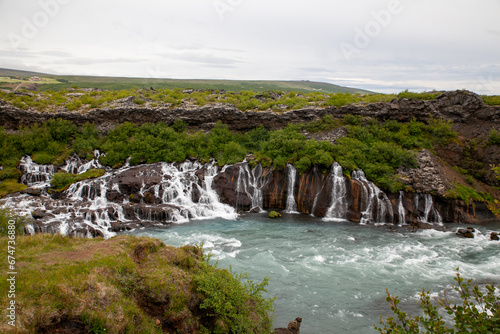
(466, 232)
(494, 236)
(293, 327)
(38, 213)
(32, 191)
(274, 214)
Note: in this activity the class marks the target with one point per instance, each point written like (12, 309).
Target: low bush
(12, 222)
(494, 137)
(476, 311)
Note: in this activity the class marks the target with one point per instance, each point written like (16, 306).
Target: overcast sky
(380, 45)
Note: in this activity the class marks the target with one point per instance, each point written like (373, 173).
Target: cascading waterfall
(75, 165)
(35, 175)
(378, 208)
(338, 207)
(162, 193)
(176, 196)
(431, 215)
(250, 181)
(401, 209)
(291, 204)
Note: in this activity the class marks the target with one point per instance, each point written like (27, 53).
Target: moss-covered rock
(274, 214)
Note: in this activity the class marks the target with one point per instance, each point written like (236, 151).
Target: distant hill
(117, 83)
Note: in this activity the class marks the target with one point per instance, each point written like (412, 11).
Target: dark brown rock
(293, 327)
(466, 232)
(494, 236)
(38, 213)
(32, 191)
(354, 216)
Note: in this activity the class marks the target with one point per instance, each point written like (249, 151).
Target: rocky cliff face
(336, 197)
(461, 107)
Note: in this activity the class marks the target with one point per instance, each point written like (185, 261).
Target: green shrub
(10, 173)
(61, 130)
(418, 96)
(494, 137)
(350, 119)
(326, 123)
(179, 125)
(232, 153)
(477, 311)
(18, 223)
(226, 297)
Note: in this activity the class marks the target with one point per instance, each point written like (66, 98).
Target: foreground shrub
(478, 311)
(19, 223)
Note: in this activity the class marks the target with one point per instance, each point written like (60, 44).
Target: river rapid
(335, 274)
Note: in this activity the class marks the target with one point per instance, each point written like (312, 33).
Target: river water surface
(334, 274)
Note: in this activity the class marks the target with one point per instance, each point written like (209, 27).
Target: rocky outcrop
(293, 327)
(466, 232)
(428, 177)
(461, 107)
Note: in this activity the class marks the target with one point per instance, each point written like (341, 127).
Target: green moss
(274, 214)
(9, 186)
(61, 180)
(466, 194)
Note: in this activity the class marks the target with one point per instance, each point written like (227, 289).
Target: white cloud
(421, 45)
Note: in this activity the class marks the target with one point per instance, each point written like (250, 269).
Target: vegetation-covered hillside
(378, 148)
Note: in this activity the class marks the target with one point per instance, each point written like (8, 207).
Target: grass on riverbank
(127, 285)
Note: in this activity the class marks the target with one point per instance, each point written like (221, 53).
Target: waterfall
(250, 182)
(35, 175)
(401, 209)
(165, 193)
(291, 205)
(378, 208)
(75, 165)
(338, 207)
(431, 215)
